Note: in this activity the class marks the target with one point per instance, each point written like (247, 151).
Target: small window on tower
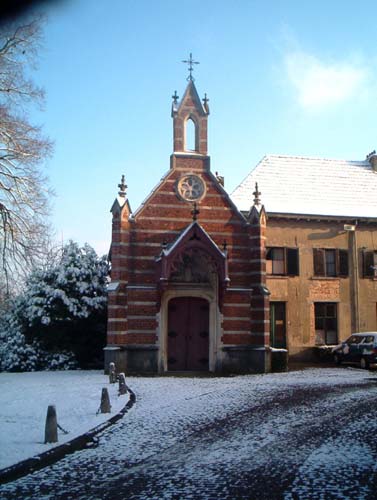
(190, 137)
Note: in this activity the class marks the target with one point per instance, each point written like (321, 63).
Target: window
(326, 324)
(330, 262)
(369, 339)
(370, 264)
(354, 340)
(282, 261)
(190, 142)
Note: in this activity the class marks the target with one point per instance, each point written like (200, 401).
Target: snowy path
(291, 436)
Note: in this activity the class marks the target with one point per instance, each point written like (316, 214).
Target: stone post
(112, 373)
(51, 428)
(122, 384)
(105, 401)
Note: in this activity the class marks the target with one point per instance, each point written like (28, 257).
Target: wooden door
(188, 334)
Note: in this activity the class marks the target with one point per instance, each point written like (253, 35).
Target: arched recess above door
(193, 259)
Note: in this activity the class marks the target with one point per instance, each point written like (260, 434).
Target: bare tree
(24, 193)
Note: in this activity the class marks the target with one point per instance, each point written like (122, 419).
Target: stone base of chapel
(143, 360)
(246, 359)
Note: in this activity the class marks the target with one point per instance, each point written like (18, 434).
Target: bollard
(105, 401)
(51, 429)
(122, 384)
(112, 373)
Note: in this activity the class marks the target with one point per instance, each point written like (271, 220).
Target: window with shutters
(329, 262)
(370, 264)
(282, 261)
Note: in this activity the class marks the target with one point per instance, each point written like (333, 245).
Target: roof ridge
(301, 157)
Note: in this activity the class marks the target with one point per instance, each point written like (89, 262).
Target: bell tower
(190, 133)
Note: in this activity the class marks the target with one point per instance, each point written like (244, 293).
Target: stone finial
(122, 187)
(257, 195)
(174, 106)
(205, 103)
(220, 179)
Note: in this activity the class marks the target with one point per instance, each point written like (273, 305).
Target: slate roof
(311, 186)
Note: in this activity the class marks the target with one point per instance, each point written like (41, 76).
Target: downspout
(354, 278)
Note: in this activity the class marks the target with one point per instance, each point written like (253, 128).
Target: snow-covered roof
(311, 186)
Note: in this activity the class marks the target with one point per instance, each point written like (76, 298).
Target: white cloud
(320, 85)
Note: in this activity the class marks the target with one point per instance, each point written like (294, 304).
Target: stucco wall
(301, 292)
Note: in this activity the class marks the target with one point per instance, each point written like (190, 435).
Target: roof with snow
(311, 186)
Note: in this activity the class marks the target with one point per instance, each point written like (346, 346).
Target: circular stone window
(191, 187)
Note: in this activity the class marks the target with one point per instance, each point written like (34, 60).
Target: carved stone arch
(186, 259)
(193, 265)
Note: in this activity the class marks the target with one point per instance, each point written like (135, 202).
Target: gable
(165, 200)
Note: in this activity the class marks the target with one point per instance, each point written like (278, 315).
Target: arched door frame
(206, 293)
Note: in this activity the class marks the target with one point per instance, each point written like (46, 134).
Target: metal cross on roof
(190, 62)
(175, 97)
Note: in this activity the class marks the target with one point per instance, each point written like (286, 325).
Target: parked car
(360, 348)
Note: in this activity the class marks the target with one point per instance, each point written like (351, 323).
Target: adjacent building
(321, 248)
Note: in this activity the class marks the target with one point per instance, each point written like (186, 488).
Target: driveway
(299, 435)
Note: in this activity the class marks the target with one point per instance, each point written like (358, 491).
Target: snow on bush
(73, 288)
(16, 355)
(62, 309)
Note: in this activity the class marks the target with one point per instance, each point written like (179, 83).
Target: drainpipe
(354, 276)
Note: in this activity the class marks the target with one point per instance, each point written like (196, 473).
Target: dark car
(360, 348)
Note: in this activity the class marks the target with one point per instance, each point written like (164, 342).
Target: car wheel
(337, 359)
(364, 364)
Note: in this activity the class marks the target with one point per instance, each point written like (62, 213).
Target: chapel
(188, 284)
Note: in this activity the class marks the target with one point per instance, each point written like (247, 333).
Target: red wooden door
(188, 334)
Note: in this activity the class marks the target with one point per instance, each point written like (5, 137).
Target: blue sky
(289, 77)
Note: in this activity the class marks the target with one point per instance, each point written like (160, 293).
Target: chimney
(372, 158)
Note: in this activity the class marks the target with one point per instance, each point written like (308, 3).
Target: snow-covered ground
(24, 398)
(199, 437)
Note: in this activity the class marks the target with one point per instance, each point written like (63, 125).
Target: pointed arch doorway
(192, 278)
(188, 334)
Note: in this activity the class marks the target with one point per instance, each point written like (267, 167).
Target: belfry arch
(191, 134)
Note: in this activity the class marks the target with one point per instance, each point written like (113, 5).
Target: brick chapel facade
(188, 281)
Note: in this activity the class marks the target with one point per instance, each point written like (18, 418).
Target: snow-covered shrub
(61, 311)
(16, 355)
(71, 289)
